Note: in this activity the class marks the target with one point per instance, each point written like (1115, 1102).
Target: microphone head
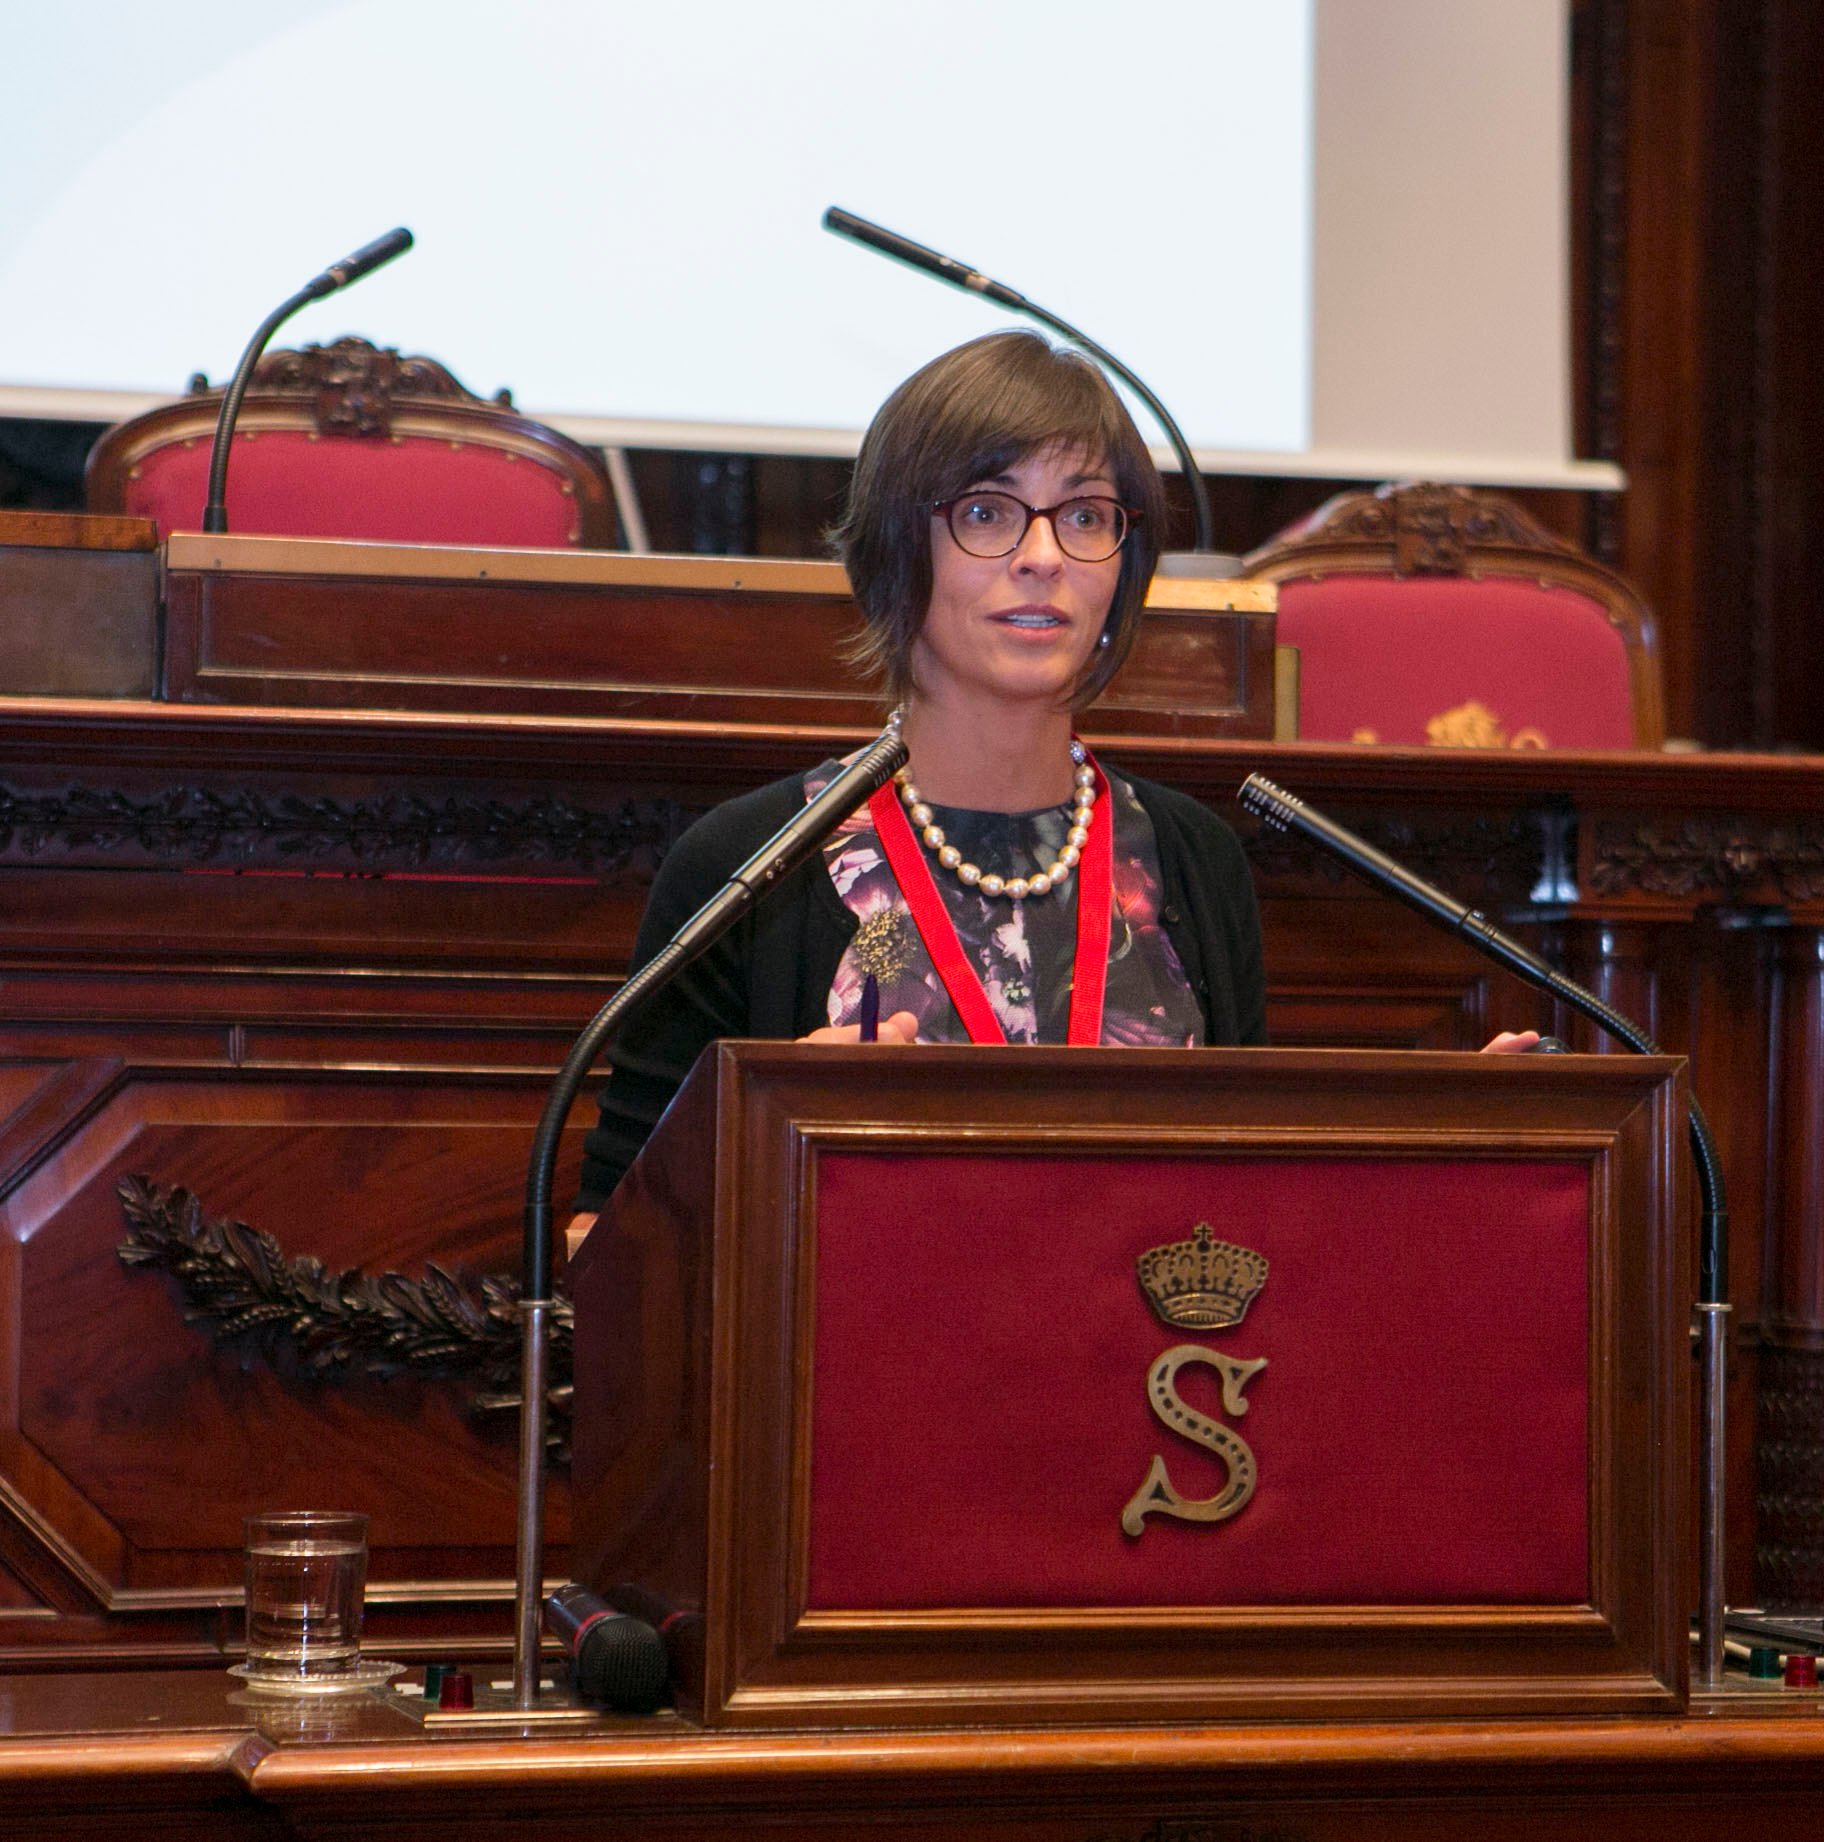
(615, 1658)
(1263, 800)
(621, 1662)
(886, 242)
(367, 258)
(884, 757)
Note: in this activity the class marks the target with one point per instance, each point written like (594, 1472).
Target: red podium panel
(1111, 1384)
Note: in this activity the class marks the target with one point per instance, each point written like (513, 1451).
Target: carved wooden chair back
(1440, 614)
(352, 440)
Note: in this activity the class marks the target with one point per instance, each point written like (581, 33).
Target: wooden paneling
(137, 1442)
(229, 934)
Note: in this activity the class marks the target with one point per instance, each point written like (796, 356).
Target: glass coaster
(369, 1673)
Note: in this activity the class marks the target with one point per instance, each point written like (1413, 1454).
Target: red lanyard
(1095, 901)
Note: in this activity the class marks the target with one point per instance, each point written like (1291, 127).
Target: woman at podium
(1002, 527)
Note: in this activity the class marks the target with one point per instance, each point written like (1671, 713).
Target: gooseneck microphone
(338, 275)
(921, 256)
(1283, 812)
(960, 275)
(792, 845)
(615, 1658)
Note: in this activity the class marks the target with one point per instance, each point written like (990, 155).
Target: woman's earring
(1103, 641)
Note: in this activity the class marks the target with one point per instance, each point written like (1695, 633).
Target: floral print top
(1024, 952)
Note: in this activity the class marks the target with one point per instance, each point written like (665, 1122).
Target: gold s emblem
(1202, 1284)
(1157, 1496)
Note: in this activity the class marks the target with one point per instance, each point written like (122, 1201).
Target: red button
(1801, 1671)
(459, 1689)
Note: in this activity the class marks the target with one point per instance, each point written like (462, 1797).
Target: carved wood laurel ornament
(239, 1282)
(197, 825)
(1736, 859)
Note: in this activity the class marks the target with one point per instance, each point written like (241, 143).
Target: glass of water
(306, 1573)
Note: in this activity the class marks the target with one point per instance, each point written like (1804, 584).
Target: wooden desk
(88, 609)
(175, 1754)
(287, 621)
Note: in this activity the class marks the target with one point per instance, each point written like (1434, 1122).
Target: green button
(1764, 1663)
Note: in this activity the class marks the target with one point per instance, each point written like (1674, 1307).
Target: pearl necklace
(970, 875)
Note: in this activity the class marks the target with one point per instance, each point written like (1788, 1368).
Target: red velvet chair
(352, 440)
(1438, 614)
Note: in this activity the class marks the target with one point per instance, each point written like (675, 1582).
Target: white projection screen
(1329, 233)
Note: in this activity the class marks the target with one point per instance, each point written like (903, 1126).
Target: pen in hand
(870, 1010)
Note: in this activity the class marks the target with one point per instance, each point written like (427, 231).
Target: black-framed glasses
(990, 524)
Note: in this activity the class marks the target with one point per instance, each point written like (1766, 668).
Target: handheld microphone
(338, 275)
(615, 1658)
(960, 275)
(679, 1628)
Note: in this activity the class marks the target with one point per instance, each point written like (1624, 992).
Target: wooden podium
(883, 1357)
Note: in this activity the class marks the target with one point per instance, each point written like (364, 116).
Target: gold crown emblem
(1202, 1283)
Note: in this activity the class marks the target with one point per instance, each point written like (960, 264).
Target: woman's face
(1019, 627)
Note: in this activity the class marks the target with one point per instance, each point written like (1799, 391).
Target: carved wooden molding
(357, 383)
(1430, 529)
(200, 825)
(1736, 859)
(239, 1282)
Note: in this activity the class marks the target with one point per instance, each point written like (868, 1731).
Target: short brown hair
(964, 418)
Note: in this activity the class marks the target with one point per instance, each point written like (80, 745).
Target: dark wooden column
(1697, 188)
(1789, 1549)
(1620, 962)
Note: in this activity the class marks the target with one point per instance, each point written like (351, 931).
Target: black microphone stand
(795, 842)
(351, 268)
(960, 275)
(1284, 812)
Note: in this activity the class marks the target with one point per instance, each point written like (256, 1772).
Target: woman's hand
(1511, 1042)
(901, 1027)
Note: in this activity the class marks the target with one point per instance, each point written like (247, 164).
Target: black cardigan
(770, 974)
